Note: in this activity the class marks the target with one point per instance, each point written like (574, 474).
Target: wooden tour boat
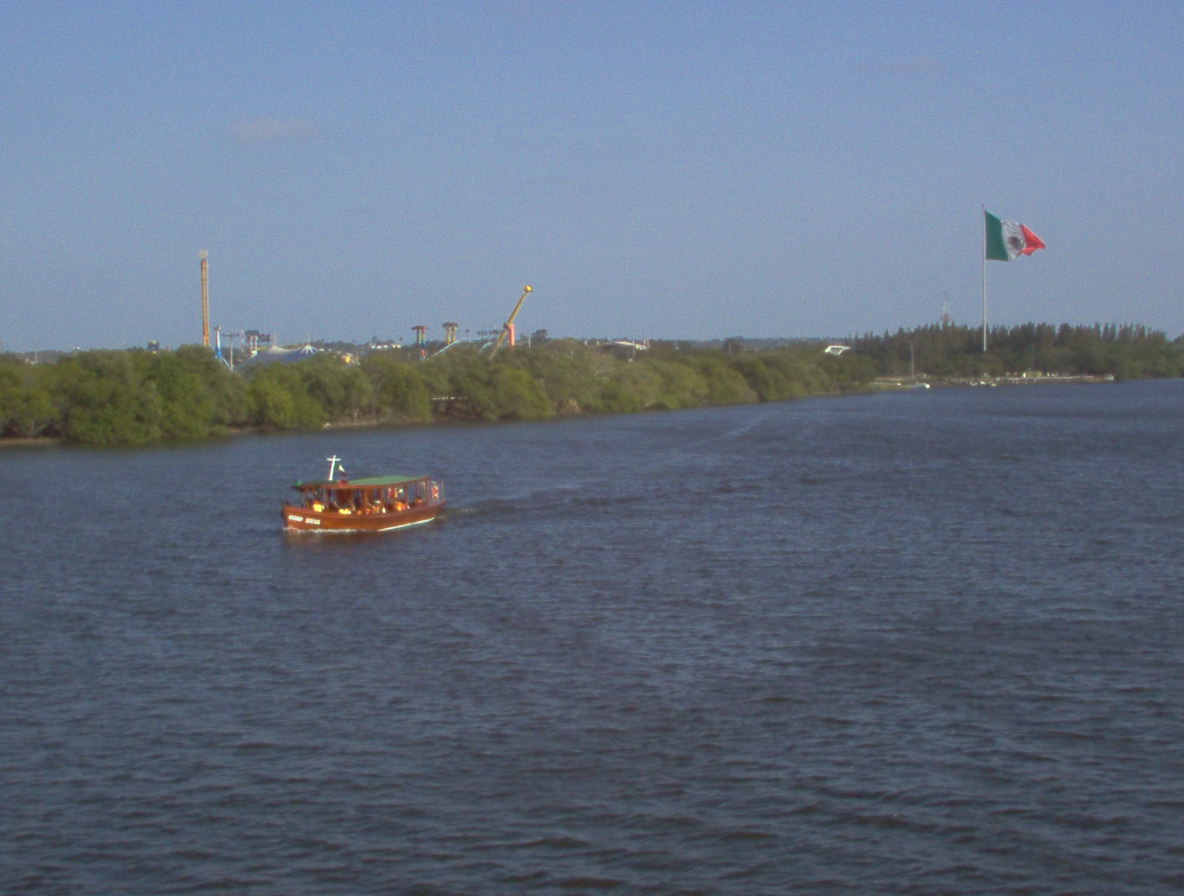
(375, 504)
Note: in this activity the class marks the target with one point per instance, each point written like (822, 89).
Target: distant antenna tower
(205, 297)
(450, 328)
(946, 319)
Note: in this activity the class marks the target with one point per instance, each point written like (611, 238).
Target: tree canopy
(126, 397)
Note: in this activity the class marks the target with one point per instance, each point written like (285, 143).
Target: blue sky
(653, 169)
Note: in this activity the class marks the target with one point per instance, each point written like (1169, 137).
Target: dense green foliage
(123, 397)
(950, 352)
(120, 397)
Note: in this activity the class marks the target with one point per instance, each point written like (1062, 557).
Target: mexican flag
(1008, 239)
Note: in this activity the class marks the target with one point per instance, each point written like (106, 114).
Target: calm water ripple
(905, 643)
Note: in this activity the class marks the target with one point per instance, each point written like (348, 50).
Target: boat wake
(543, 504)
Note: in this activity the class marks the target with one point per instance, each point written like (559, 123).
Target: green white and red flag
(1009, 239)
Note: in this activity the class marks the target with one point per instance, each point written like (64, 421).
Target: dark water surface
(905, 643)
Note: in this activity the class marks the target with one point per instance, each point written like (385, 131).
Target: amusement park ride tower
(205, 297)
(508, 326)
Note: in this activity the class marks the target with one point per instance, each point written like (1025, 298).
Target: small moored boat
(374, 504)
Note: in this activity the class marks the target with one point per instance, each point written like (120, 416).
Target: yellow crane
(508, 326)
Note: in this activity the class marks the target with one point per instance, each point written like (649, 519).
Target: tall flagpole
(983, 218)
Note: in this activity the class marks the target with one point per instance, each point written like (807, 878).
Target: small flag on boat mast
(1004, 241)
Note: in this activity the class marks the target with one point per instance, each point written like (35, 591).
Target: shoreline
(880, 384)
(906, 382)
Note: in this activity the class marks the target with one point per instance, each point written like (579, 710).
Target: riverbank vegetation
(112, 397)
(1125, 352)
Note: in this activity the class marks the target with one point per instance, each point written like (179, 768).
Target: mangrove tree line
(110, 397)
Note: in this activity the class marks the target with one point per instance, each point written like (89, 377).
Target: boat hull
(302, 519)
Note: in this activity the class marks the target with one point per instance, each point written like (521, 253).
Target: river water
(900, 643)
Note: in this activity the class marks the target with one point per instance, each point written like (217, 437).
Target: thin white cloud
(267, 130)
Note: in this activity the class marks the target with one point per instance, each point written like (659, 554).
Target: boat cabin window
(363, 499)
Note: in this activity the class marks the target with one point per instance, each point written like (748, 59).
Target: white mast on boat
(334, 464)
